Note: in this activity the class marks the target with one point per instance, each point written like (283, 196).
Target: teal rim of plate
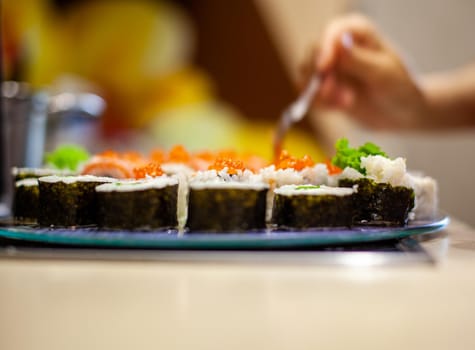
(263, 240)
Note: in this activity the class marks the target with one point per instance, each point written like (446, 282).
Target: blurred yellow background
(170, 72)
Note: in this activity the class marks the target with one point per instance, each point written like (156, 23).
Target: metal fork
(295, 112)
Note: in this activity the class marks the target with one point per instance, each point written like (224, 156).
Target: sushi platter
(221, 200)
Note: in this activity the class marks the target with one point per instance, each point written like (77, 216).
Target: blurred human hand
(363, 75)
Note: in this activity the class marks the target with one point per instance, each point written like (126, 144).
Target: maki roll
(141, 204)
(289, 170)
(385, 195)
(68, 200)
(25, 200)
(309, 206)
(226, 201)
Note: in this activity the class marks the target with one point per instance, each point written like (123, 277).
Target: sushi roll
(289, 170)
(25, 200)
(140, 204)
(220, 201)
(310, 206)
(385, 196)
(68, 200)
(426, 198)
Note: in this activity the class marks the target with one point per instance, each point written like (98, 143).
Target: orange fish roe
(157, 155)
(332, 169)
(233, 165)
(202, 160)
(227, 153)
(151, 169)
(132, 156)
(109, 154)
(179, 154)
(287, 161)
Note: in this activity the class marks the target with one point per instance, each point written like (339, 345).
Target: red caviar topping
(109, 154)
(132, 156)
(332, 169)
(151, 169)
(205, 155)
(157, 155)
(287, 161)
(233, 165)
(179, 154)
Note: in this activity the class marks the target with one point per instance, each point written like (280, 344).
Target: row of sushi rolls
(221, 191)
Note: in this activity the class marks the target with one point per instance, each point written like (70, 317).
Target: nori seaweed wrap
(226, 207)
(380, 204)
(68, 200)
(308, 206)
(25, 200)
(134, 205)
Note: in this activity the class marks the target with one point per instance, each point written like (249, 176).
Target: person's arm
(367, 78)
(451, 98)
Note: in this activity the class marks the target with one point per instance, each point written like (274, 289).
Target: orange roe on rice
(233, 165)
(287, 161)
(151, 169)
(158, 155)
(332, 169)
(179, 154)
(109, 154)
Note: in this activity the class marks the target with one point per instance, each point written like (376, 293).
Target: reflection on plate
(92, 237)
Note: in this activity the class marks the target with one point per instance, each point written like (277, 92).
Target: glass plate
(93, 237)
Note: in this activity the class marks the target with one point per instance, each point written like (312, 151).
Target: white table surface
(76, 304)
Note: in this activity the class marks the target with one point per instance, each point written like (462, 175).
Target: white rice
(40, 172)
(182, 173)
(299, 190)
(176, 169)
(30, 182)
(280, 177)
(426, 201)
(137, 185)
(213, 179)
(385, 170)
(73, 179)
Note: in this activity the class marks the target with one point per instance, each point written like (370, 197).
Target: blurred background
(217, 74)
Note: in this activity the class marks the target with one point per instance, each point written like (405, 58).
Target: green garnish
(307, 187)
(67, 157)
(351, 157)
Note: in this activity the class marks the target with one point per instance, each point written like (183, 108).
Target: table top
(288, 302)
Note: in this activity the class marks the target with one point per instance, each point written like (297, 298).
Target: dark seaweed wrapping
(309, 211)
(67, 204)
(25, 202)
(380, 204)
(226, 210)
(143, 209)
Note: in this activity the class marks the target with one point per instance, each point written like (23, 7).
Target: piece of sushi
(26, 200)
(385, 195)
(426, 198)
(113, 164)
(311, 175)
(68, 200)
(223, 202)
(310, 206)
(142, 204)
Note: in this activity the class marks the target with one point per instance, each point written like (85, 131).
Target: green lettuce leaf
(351, 157)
